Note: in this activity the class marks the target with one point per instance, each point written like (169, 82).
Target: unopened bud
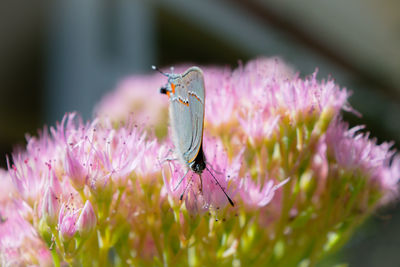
(87, 220)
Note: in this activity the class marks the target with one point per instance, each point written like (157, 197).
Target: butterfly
(186, 95)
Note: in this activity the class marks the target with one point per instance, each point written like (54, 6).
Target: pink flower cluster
(19, 241)
(273, 141)
(59, 175)
(357, 152)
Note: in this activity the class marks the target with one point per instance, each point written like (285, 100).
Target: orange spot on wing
(198, 99)
(182, 102)
(173, 88)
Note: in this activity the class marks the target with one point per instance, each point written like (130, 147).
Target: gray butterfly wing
(187, 113)
(194, 81)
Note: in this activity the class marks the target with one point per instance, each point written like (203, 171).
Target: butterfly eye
(163, 90)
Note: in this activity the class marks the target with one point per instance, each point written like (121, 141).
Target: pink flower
(13, 227)
(228, 92)
(7, 189)
(254, 195)
(257, 126)
(31, 166)
(19, 242)
(24, 176)
(139, 97)
(97, 152)
(79, 161)
(125, 151)
(355, 151)
(221, 102)
(67, 221)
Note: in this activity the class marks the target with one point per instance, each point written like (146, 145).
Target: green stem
(120, 191)
(56, 258)
(58, 242)
(82, 195)
(156, 240)
(104, 245)
(103, 257)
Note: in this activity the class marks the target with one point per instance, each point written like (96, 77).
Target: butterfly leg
(190, 181)
(168, 157)
(201, 184)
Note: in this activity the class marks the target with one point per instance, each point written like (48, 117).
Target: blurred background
(62, 56)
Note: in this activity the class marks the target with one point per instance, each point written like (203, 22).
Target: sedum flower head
(110, 192)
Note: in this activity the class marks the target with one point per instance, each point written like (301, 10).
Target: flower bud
(45, 231)
(74, 170)
(87, 220)
(54, 183)
(50, 207)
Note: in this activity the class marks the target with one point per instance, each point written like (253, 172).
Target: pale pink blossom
(355, 151)
(67, 221)
(7, 189)
(19, 243)
(257, 126)
(139, 97)
(255, 195)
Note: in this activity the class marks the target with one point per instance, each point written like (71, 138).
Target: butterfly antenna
(229, 199)
(176, 187)
(160, 71)
(184, 191)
